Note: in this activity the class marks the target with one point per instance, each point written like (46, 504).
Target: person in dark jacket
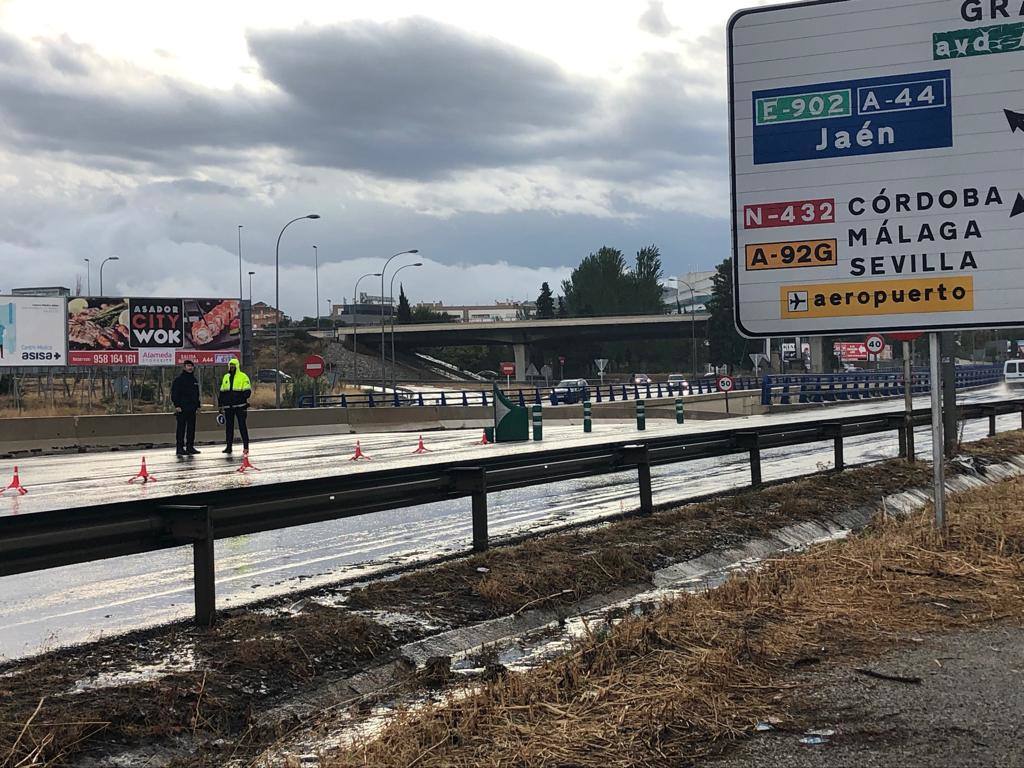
(235, 390)
(185, 396)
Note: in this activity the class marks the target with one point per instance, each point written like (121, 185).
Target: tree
(404, 310)
(563, 311)
(545, 303)
(646, 282)
(427, 315)
(726, 344)
(596, 286)
(603, 285)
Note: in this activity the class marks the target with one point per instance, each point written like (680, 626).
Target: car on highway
(1013, 372)
(488, 375)
(571, 391)
(266, 375)
(640, 378)
(677, 384)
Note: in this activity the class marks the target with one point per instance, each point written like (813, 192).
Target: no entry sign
(508, 369)
(315, 366)
(876, 150)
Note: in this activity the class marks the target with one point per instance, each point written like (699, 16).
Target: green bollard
(587, 421)
(679, 410)
(538, 423)
(641, 415)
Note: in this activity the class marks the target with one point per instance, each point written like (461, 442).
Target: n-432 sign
(876, 153)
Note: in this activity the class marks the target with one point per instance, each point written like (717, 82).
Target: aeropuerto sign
(877, 166)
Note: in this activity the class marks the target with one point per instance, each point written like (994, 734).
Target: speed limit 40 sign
(875, 344)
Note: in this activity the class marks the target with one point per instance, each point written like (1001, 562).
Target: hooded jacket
(235, 387)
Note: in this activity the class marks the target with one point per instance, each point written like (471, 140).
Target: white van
(1013, 372)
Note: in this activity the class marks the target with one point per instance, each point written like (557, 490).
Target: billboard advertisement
(850, 350)
(32, 331)
(152, 331)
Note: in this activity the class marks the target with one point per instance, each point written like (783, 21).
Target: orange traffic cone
(359, 454)
(484, 440)
(143, 475)
(421, 448)
(246, 464)
(15, 485)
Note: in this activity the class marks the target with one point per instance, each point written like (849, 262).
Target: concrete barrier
(84, 433)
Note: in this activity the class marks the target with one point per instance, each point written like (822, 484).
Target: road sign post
(939, 474)
(726, 384)
(862, 200)
(601, 364)
(508, 369)
(314, 368)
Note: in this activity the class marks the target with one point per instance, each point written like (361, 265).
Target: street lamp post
(277, 307)
(316, 280)
(102, 264)
(250, 290)
(355, 327)
(693, 324)
(330, 311)
(240, 296)
(383, 362)
(88, 277)
(394, 375)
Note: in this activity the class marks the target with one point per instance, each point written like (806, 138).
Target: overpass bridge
(519, 334)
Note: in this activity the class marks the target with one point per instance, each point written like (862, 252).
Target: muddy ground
(200, 697)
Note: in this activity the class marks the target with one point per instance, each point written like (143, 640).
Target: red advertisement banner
(152, 332)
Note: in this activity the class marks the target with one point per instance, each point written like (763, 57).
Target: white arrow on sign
(601, 364)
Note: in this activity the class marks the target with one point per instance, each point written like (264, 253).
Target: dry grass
(679, 685)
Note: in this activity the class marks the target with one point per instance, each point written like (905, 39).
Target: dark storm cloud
(407, 99)
(416, 98)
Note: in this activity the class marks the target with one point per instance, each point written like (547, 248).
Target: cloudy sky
(503, 140)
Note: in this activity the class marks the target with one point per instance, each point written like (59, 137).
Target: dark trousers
(185, 438)
(230, 415)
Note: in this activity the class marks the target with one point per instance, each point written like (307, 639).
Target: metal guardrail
(525, 395)
(838, 387)
(45, 540)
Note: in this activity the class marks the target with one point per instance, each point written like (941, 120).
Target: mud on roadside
(201, 693)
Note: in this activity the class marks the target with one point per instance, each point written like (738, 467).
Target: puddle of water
(180, 661)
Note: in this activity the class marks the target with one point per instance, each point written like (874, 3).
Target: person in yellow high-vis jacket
(235, 390)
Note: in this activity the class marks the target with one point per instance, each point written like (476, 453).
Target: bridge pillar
(820, 357)
(522, 360)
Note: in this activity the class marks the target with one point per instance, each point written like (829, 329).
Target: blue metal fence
(835, 387)
(526, 395)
